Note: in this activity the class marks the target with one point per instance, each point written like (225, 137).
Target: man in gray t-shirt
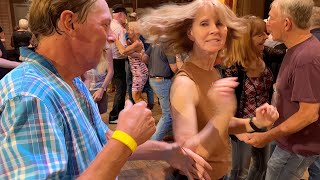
(159, 63)
(161, 69)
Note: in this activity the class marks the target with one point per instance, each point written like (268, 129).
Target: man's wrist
(257, 123)
(125, 139)
(275, 133)
(104, 89)
(254, 124)
(167, 150)
(124, 148)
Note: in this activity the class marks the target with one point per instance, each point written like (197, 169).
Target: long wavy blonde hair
(242, 50)
(169, 24)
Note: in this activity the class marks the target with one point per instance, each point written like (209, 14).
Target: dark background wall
(8, 15)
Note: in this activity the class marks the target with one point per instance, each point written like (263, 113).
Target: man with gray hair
(50, 127)
(297, 93)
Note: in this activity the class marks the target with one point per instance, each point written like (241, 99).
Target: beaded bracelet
(125, 139)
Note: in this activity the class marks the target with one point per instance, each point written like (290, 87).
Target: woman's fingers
(197, 159)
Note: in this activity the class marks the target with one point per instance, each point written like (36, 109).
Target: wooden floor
(143, 170)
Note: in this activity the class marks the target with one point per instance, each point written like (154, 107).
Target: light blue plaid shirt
(46, 129)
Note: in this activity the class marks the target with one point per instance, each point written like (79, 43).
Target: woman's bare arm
(183, 110)
(136, 46)
(4, 63)
(183, 104)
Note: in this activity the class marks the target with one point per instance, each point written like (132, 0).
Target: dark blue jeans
(119, 80)
(285, 165)
(314, 170)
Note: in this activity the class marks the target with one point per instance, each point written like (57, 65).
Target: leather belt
(160, 77)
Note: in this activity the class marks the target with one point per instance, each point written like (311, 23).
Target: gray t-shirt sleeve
(171, 59)
(148, 52)
(306, 87)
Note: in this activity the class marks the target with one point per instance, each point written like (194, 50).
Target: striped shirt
(47, 130)
(119, 32)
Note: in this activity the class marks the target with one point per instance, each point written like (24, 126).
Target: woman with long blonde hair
(202, 113)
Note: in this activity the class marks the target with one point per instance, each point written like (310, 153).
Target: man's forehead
(273, 12)
(100, 5)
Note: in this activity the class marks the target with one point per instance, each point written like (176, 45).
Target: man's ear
(66, 22)
(287, 24)
(190, 35)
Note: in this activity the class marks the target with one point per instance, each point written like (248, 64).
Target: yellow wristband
(125, 139)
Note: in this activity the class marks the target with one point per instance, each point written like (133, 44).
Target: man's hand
(243, 137)
(137, 121)
(266, 115)
(222, 96)
(258, 140)
(188, 162)
(97, 96)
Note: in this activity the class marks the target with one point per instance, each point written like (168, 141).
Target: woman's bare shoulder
(184, 88)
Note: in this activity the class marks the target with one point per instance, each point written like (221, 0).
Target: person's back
(158, 62)
(21, 39)
(22, 36)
